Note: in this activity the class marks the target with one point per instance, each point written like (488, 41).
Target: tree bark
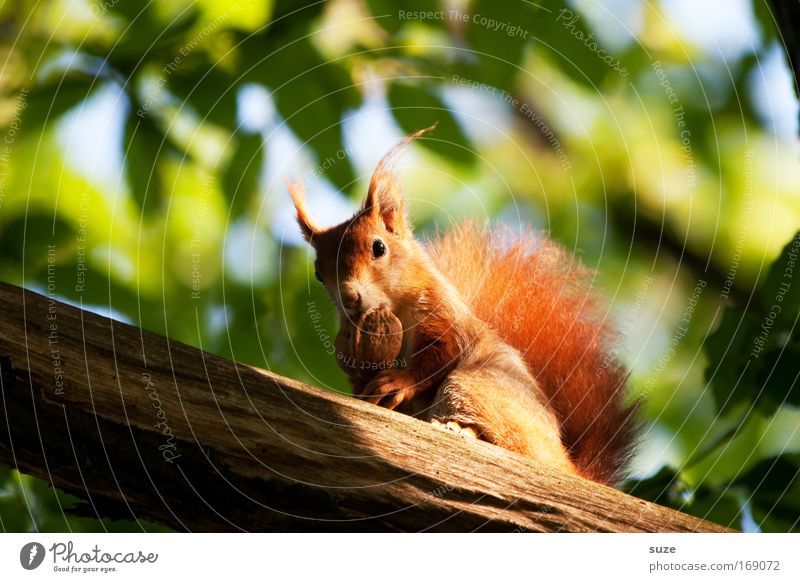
(143, 427)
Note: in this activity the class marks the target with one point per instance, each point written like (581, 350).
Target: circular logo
(31, 555)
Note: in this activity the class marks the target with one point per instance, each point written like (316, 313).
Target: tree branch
(143, 427)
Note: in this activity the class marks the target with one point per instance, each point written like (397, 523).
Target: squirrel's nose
(352, 301)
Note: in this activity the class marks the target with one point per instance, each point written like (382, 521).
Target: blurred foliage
(30, 504)
(149, 144)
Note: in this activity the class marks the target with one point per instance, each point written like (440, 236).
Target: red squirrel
(501, 336)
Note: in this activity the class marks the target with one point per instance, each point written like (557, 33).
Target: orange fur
(540, 301)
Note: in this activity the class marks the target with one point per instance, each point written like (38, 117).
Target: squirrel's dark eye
(378, 248)
(318, 276)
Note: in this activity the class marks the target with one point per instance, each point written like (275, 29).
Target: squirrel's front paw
(466, 431)
(390, 388)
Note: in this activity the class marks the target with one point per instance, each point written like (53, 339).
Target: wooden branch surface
(143, 427)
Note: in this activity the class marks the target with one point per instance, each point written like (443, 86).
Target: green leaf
(567, 39)
(499, 32)
(312, 95)
(720, 506)
(306, 105)
(773, 477)
(773, 491)
(26, 239)
(754, 356)
(211, 93)
(147, 34)
(14, 516)
(287, 12)
(780, 377)
(46, 103)
(416, 107)
(729, 371)
(393, 16)
(240, 179)
(144, 146)
(780, 292)
(766, 18)
(664, 488)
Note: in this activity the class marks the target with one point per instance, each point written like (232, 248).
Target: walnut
(372, 342)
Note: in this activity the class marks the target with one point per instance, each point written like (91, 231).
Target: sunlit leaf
(243, 15)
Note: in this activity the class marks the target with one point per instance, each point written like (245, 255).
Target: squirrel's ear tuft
(384, 196)
(297, 191)
(386, 200)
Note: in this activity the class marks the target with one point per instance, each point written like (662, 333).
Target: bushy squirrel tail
(541, 301)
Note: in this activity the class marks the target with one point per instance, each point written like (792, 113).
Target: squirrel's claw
(389, 389)
(453, 426)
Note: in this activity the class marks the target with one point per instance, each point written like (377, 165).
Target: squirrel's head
(364, 262)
